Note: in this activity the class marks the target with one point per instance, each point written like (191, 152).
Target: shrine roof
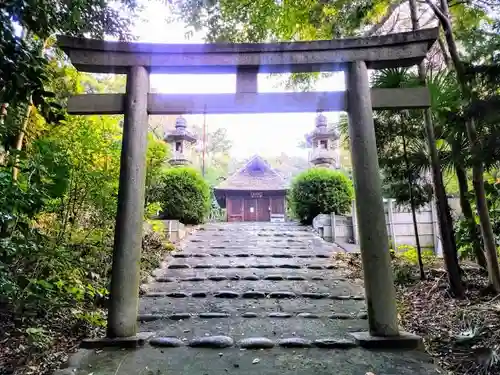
(256, 175)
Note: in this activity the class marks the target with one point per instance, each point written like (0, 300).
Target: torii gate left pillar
(125, 279)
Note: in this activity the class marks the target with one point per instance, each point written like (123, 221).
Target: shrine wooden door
(250, 209)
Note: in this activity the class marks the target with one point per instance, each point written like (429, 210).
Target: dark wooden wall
(245, 207)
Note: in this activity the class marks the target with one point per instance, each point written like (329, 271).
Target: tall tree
(444, 216)
(446, 99)
(475, 144)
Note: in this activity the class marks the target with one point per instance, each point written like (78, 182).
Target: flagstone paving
(251, 298)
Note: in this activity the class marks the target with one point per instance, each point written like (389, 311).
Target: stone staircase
(252, 298)
(252, 285)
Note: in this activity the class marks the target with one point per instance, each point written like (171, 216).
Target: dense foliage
(59, 181)
(28, 31)
(57, 222)
(319, 191)
(186, 196)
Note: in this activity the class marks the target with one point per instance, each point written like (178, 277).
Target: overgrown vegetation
(57, 222)
(186, 196)
(319, 191)
(59, 183)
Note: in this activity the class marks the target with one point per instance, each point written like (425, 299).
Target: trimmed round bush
(185, 196)
(319, 191)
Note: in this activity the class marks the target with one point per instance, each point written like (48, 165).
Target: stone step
(255, 238)
(256, 264)
(241, 236)
(241, 246)
(276, 277)
(241, 273)
(239, 328)
(218, 245)
(248, 294)
(248, 284)
(250, 262)
(248, 315)
(235, 361)
(261, 307)
(280, 234)
(262, 254)
(262, 227)
(260, 241)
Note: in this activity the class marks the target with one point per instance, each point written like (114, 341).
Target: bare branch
(385, 18)
(444, 51)
(443, 19)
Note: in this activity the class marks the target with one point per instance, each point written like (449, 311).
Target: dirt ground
(462, 335)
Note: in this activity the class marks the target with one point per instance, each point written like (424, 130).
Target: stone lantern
(181, 142)
(325, 144)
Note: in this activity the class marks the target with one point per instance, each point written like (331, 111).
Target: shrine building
(256, 192)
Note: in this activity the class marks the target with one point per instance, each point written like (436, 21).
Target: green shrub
(185, 196)
(410, 254)
(319, 191)
(405, 263)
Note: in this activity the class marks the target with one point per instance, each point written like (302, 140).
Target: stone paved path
(253, 299)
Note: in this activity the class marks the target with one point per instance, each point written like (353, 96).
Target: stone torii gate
(354, 56)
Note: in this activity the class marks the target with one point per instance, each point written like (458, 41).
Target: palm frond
(391, 78)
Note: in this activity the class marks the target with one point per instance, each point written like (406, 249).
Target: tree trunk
(486, 228)
(413, 208)
(463, 188)
(446, 57)
(443, 210)
(3, 113)
(475, 147)
(24, 127)
(20, 137)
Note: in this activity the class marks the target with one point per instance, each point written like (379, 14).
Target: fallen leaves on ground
(463, 336)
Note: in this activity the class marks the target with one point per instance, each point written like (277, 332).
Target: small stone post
(334, 225)
(355, 230)
(122, 314)
(378, 277)
(391, 223)
(435, 228)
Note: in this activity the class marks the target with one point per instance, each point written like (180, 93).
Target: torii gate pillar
(125, 274)
(379, 286)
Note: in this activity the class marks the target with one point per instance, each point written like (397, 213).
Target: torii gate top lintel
(98, 56)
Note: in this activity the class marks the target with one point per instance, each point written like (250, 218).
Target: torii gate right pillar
(378, 277)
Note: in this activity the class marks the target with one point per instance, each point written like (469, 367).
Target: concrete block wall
(399, 223)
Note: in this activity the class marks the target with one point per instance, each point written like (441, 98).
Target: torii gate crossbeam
(354, 56)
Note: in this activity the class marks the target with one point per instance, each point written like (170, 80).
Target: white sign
(251, 210)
